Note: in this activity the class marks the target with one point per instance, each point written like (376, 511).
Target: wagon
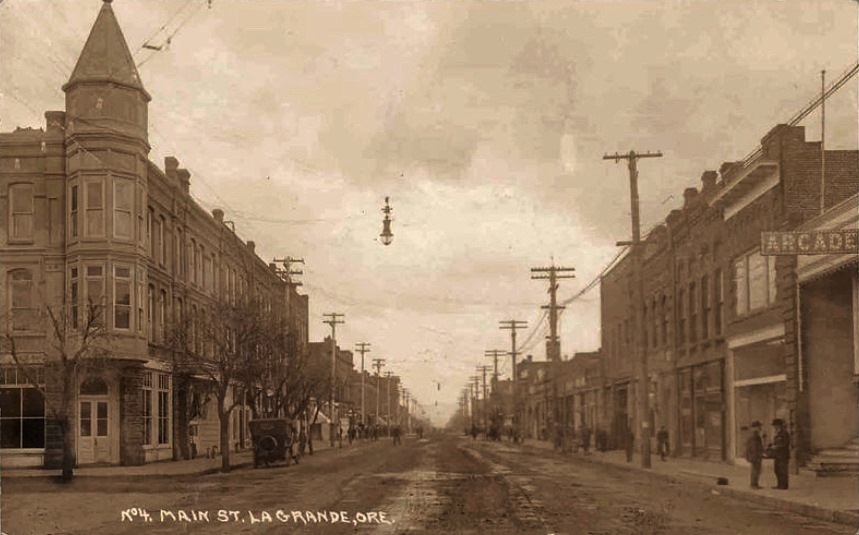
(272, 441)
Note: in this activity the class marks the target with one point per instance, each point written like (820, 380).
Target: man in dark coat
(662, 442)
(781, 453)
(755, 453)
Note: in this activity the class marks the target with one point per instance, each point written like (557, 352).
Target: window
(21, 212)
(664, 310)
(756, 282)
(147, 408)
(140, 300)
(22, 408)
(22, 300)
(94, 202)
(151, 312)
(693, 313)
(73, 211)
(205, 278)
(157, 241)
(162, 243)
(150, 215)
(163, 408)
(681, 326)
(95, 293)
(198, 264)
(162, 316)
(121, 297)
(74, 296)
(141, 209)
(177, 265)
(123, 203)
(645, 329)
(192, 256)
(718, 298)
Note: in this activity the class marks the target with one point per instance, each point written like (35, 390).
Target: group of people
(778, 450)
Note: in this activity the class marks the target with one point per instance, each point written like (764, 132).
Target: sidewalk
(198, 466)
(834, 499)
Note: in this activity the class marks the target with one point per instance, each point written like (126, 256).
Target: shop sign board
(812, 242)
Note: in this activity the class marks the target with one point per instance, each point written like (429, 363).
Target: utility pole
(553, 347)
(388, 375)
(475, 380)
(483, 370)
(378, 363)
(494, 353)
(512, 326)
(333, 319)
(362, 347)
(643, 375)
(287, 272)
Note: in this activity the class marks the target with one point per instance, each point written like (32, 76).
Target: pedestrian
(755, 453)
(586, 440)
(395, 433)
(780, 453)
(629, 442)
(662, 442)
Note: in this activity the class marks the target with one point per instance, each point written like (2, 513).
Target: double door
(94, 440)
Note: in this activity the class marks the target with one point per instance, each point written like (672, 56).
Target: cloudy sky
(484, 121)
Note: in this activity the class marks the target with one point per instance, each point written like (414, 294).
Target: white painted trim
(808, 267)
(761, 380)
(157, 365)
(761, 335)
(747, 199)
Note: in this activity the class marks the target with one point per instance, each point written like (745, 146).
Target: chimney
(272, 266)
(252, 246)
(689, 195)
(218, 214)
(708, 179)
(55, 120)
(171, 164)
(184, 177)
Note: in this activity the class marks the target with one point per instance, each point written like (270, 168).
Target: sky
(485, 122)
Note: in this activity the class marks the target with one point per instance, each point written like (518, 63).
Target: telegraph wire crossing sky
(485, 124)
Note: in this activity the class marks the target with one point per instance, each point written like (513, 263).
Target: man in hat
(755, 453)
(780, 453)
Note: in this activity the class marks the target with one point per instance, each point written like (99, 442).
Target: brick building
(715, 310)
(88, 218)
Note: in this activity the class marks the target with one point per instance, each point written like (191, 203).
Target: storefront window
(22, 408)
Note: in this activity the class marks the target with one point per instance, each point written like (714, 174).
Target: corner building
(88, 218)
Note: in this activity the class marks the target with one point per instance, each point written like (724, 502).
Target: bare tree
(75, 343)
(225, 346)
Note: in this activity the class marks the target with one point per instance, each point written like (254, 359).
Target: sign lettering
(813, 242)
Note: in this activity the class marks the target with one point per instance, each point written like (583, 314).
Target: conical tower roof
(105, 56)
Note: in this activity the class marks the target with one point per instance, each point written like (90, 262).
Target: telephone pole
(494, 353)
(388, 375)
(362, 347)
(378, 363)
(475, 381)
(636, 252)
(512, 326)
(483, 370)
(333, 319)
(553, 346)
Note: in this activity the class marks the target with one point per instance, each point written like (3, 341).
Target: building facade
(90, 223)
(722, 327)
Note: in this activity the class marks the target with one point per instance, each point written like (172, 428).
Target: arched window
(93, 386)
(151, 313)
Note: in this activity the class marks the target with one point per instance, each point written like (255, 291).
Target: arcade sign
(812, 242)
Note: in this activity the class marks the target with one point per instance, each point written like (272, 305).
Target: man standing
(781, 453)
(662, 442)
(755, 453)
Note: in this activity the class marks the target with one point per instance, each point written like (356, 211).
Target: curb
(817, 512)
